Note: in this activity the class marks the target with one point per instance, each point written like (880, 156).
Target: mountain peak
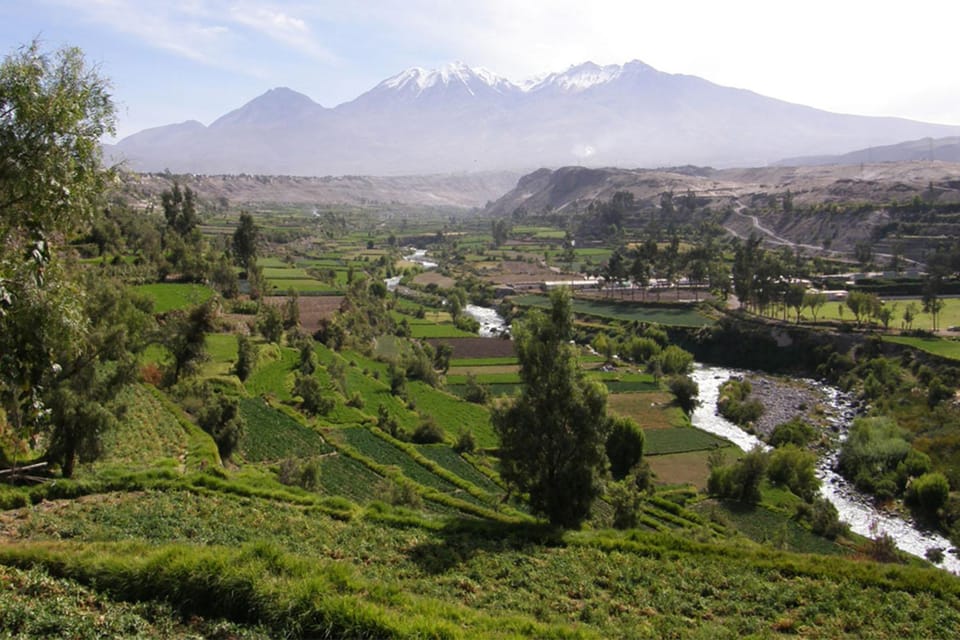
(580, 77)
(277, 103)
(417, 80)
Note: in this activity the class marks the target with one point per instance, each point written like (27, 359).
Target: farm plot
(654, 410)
(685, 468)
(381, 451)
(147, 432)
(343, 476)
(937, 346)
(272, 434)
(624, 310)
(275, 377)
(171, 296)
(450, 460)
(453, 414)
(679, 440)
(476, 347)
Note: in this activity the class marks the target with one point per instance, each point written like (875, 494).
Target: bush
(673, 361)
(314, 401)
(626, 500)
(741, 480)
(429, 432)
(220, 417)
(823, 517)
(929, 493)
(795, 469)
(685, 390)
(796, 432)
(871, 454)
(465, 443)
(476, 392)
(642, 349)
(624, 446)
(734, 403)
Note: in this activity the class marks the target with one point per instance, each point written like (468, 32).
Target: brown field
(686, 468)
(432, 277)
(651, 410)
(477, 347)
(312, 309)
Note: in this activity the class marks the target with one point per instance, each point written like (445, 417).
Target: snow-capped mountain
(458, 118)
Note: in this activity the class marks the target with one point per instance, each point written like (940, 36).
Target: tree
(54, 110)
(932, 302)
(246, 357)
(794, 298)
(685, 390)
(624, 446)
(246, 240)
(814, 302)
(180, 209)
(270, 322)
(184, 336)
(552, 437)
(221, 418)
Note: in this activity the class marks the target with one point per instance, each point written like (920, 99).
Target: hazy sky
(175, 60)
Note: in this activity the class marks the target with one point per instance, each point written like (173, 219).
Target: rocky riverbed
(786, 398)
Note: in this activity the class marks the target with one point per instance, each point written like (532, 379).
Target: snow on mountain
(460, 118)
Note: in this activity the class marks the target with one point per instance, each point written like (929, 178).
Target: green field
(937, 346)
(171, 296)
(680, 440)
(949, 316)
(625, 311)
(272, 435)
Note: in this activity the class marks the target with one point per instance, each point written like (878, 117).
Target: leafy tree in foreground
(552, 437)
(53, 112)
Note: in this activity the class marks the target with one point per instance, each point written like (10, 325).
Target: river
(854, 508)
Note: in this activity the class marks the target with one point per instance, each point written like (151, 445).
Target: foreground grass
(219, 556)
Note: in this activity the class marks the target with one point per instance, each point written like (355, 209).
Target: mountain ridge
(460, 118)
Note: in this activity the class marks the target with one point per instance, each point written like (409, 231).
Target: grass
(937, 346)
(679, 440)
(654, 410)
(765, 526)
(147, 434)
(172, 296)
(625, 311)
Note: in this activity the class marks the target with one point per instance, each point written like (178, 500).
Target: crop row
(272, 434)
(680, 439)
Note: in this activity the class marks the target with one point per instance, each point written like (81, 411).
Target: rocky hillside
(464, 191)
(833, 207)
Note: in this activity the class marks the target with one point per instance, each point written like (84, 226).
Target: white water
(420, 257)
(492, 325)
(855, 509)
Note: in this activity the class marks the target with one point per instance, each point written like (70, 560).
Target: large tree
(552, 437)
(53, 111)
(246, 241)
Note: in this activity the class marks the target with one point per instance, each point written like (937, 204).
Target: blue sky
(175, 60)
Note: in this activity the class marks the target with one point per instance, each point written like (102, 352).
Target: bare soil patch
(432, 277)
(653, 410)
(312, 309)
(477, 347)
(685, 468)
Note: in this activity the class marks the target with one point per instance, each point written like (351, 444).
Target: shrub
(642, 349)
(929, 493)
(476, 392)
(823, 517)
(465, 443)
(797, 432)
(741, 480)
(673, 361)
(871, 454)
(222, 420)
(626, 500)
(624, 446)
(314, 401)
(429, 432)
(685, 390)
(734, 403)
(795, 469)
